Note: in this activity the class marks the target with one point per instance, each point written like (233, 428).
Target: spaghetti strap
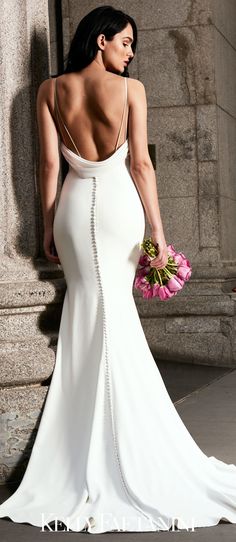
(57, 111)
(123, 114)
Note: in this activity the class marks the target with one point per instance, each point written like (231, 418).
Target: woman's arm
(141, 167)
(49, 163)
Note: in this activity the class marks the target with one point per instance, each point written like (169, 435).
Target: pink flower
(171, 250)
(147, 292)
(144, 286)
(164, 293)
(139, 281)
(184, 272)
(175, 284)
(144, 260)
(143, 271)
(178, 259)
(155, 289)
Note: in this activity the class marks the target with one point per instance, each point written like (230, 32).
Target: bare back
(91, 113)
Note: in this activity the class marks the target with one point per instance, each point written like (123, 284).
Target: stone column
(31, 288)
(185, 58)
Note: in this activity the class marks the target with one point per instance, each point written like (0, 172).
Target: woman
(111, 452)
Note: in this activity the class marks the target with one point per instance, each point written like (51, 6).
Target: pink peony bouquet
(164, 282)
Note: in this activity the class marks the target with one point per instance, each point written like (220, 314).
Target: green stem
(159, 275)
(168, 273)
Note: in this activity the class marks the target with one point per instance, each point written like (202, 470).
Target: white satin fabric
(111, 452)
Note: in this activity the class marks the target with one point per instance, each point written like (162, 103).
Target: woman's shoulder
(135, 81)
(46, 87)
(48, 84)
(132, 82)
(136, 91)
(136, 84)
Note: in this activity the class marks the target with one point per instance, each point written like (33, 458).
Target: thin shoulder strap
(123, 114)
(57, 111)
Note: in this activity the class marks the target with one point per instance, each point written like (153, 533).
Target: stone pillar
(185, 58)
(31, 288)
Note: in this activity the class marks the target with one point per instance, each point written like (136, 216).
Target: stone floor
(205, 398)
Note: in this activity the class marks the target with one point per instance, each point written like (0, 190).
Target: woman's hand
(161, 260)
(49, 245)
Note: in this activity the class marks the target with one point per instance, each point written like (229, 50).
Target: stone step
(207, 348)
(27, 362)
(32, 292)
(183, 304)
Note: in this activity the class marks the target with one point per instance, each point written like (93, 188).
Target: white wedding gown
(111, 451)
